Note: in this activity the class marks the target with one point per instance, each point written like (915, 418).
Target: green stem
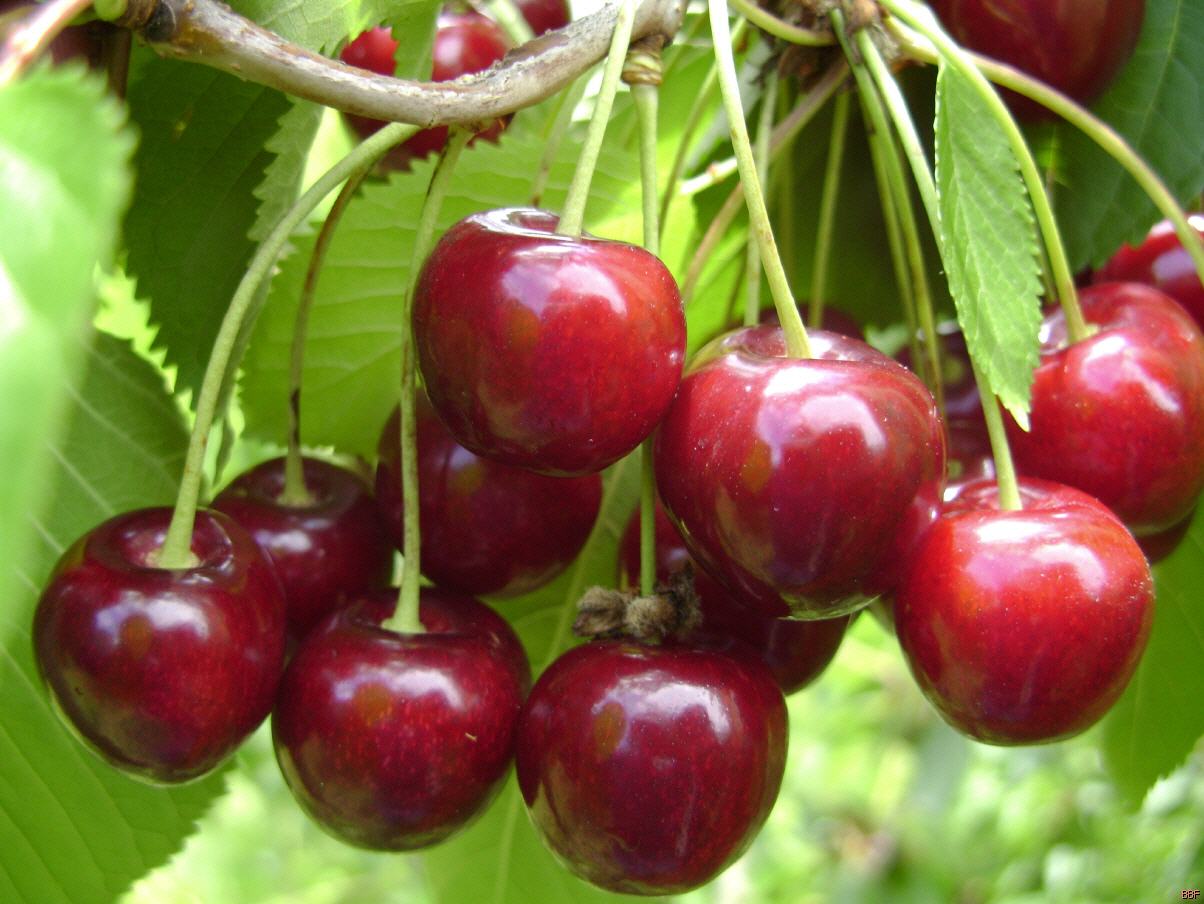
(295, 491)
(646, 102)
(827, 209)
(885, 87)
(578, 195)
(1109, 140)
(566, 101)
(507, 15)
(405, 618)
(176, 551)
(752, 300)
(797, 345)
(693, 121)
(921, 19)
(792, 34)
(1005, 470)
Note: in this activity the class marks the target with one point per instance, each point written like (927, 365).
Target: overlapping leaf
(987, 240)
(1157, 104)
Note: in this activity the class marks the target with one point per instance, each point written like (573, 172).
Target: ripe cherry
(648, 770)
(1076, 46)
(554, 353)
(487, 528)
(395, 741)
(1024, 626)
(1161, 261)
(465, 42)
(544, 15)
(788, 478)
(1120, 415)
(796, 652)
(326, 551)
(162, 672)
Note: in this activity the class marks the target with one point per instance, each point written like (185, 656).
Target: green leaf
(1158, 721)
(987, 240)
(282, 180)
(201, 159)
(64, 179)
(351, 358)
(509, 864)
(1157, 103)
(75, 830)
(322, 25)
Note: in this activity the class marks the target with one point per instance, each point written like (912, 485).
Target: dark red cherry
(395, 741)
(554, 353)
(796, 652)
(788, 478)
(1120, 415)
(1161, 261)
(1076, 46)
(544, 15)
(1024, 626)
(163, 672)
(327, 551)
(487, 528)
(647, 770)
(465, 42)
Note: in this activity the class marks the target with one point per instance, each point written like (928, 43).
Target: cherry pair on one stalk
(550, 352)
(1024, 626)
(789, 477)
(487, 528)
(395, 740)
(161, 671)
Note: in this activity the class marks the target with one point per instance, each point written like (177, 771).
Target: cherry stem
(827, 209)
(507, 14)
(176, 551)
(295, 492)
(405, 618)
(792, 34)
(1005, 470)
(795, 333)
(922, 20)
(28, 40)
(578, 194)
(566, 102)
(882, 87)
(752, 272)
(646, 97)
(1109, 140)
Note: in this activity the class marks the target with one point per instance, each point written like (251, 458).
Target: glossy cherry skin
(465, 42)
(796, 652)
(543, 351)
(163, 672)
(1025, 626)
(648, 770)
(1161, 261)
(326, 552)
(544, 15)
(1076, 46)
(487, 528)
(1120, 415)
(789, 477)
(395, 741)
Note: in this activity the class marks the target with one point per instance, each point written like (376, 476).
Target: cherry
(833, 320)
(1161, 261)
(796, 652)
(394, 741)
(1076, 46)
(788, 478)
(487, 528)
(648, 770)
(465, 42)
(1025, 626)
(326, 551)
(544, 15)
(1120, 414)
(554, 353)
(162, 672)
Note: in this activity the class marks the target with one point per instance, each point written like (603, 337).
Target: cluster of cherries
(800, 489)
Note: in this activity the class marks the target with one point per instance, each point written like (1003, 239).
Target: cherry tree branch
(206, 31)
